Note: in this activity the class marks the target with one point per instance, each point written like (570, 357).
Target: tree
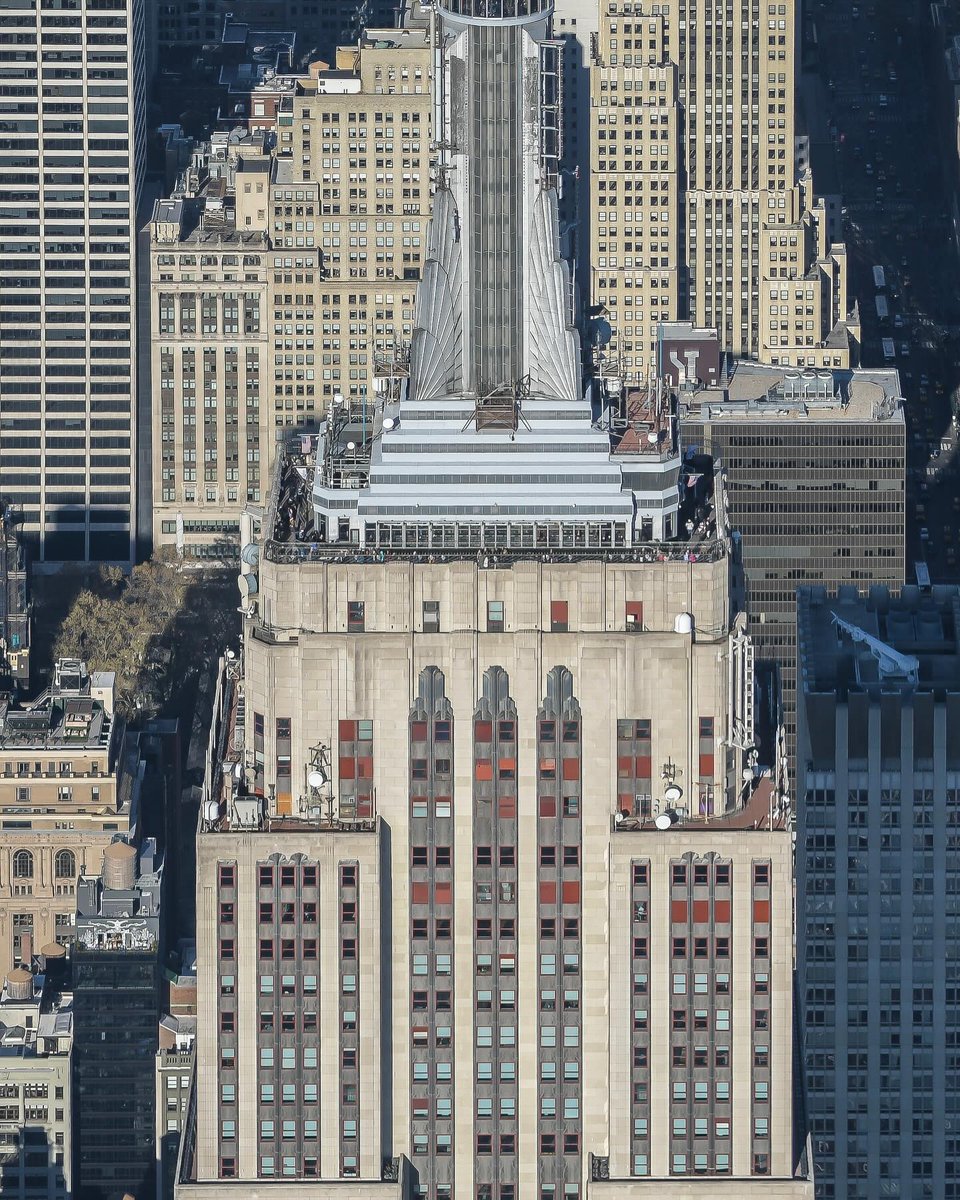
(118, 624)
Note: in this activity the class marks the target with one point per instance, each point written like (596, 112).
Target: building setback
(71, 164)
(878, 779)
(700, 202)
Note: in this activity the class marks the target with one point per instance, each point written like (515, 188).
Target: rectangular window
(495, 616)
(355, 616)
(559, 619)
(431, 616)
(634, 616)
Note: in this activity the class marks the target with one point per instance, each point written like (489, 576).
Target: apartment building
(815, 470)
(315, 225)
(69, 786)
(699, 205)
(36, 1088)
(71, 163)
(878, 776)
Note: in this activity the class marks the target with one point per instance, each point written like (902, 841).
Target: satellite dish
(672, 794)
(653, 437)
(351, 445)
(388, 423)
(316, 779)
(664, 820)
(619, 816)
(211, 811)
(747, 774)
(338, 398)
(230, 655)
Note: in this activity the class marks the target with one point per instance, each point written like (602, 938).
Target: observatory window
(495, 616)
(431, 616)
(355, 616)
(559, 616)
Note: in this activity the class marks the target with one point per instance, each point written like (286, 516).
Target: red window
(365, 767)
(571, 892)
(443, 893)
(548, 806)
(625, 766)
(483, 731)
(420, 893)
(761, 911)
(634, 615)
(507, 807)
(548, 892)
(348, 731)
(558, 616)
(706, 766)
(721, 911)
(678, 912)
(348, 768)
(483, 769)
(507, 768)
(571, 768)
(548, 768)
(701, 912)
(418, 731)
(644, 766)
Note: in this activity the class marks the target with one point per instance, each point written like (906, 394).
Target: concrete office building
(70, 170)
(36, 1039)
(877, 888)
(285, 278)
(70, 782)
(116, 981)
(815, 467)
(699, 203)
(491, 901)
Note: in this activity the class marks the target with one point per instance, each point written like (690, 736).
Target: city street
(879, 65)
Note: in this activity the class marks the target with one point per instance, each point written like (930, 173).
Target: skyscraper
(310, 250)
(116, 978)
(878, 784)
(700, 204)
(493, 889)
(815, 469)
(70, 170)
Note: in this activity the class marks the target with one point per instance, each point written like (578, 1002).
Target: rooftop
(756, 391)
(76, 713)
(879, 643)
